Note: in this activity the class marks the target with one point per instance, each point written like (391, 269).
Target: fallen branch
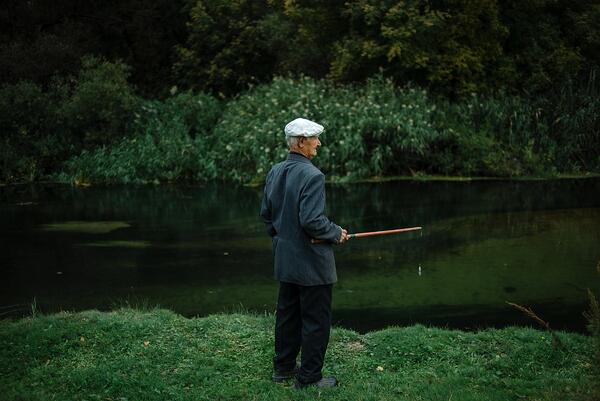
(529, 312)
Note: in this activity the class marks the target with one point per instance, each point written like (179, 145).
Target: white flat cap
(303, 127)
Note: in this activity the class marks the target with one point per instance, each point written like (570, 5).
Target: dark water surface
(200, 250)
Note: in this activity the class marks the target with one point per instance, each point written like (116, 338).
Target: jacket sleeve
(265, 209)
(312, 211)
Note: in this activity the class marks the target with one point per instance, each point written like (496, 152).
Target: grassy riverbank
(158, 355)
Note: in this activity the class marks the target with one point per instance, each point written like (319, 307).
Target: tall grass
(494, 136)
(573, 117)
(374, 129)
(378, 129)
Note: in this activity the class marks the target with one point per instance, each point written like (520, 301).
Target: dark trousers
(303, 321)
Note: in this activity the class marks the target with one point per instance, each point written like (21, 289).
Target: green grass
(159, 355)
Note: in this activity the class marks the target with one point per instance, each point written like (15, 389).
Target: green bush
(42, 127)
(574, 124)
(171, 143)
(496, 136)
(199, 112)
(373, 129)
(31, 141)
(378, 129)
(100, 107)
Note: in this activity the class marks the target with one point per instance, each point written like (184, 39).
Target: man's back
(294, 210)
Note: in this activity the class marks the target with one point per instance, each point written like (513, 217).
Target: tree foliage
(222, 51)
(41, 127)
(40, 39)
(454, 46)
(510, 86)
(540, 50)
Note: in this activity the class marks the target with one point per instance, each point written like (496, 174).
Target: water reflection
(200, 250)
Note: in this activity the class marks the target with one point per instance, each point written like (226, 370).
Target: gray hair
(292, 141)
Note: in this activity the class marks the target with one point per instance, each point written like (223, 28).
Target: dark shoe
(325, 382)
(279, 376)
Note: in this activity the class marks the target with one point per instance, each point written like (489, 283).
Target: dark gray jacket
(293, 208)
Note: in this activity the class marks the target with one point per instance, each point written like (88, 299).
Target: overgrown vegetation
(94, 129)
(374, 129)
(455, 87)
(450, 46)
(593, 318)
(43, 127)
(159, 355)
(453, 47)
(170, 141)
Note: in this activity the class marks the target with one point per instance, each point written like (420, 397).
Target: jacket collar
(297, 157)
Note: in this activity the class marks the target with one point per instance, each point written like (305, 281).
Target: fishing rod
(373, 233)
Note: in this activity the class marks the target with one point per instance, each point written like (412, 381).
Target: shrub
(199, 112)
(378, 129)
(171, 143)
(30, 143)
(43, 127)
(574, 124)
(99, 109)
(496, 136)
(374, 129)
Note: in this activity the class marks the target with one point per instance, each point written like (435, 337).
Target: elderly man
(293, 208)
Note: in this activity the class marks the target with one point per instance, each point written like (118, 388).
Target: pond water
(200, 250)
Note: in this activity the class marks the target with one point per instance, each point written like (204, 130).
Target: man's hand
(344, 237)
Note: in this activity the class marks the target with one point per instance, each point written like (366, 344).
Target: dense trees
(40, 39)
(41, 127)
(225, 49)
(451, 46)
(455, 47)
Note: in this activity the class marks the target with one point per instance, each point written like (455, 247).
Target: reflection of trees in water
(170, 219)
(211, 236)
(456, 213)
(165, 206)
(176, 214)
(414, 202)
(398, 204)
(373, 205)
